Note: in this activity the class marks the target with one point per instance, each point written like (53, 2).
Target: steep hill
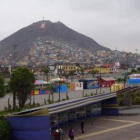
(25, 39)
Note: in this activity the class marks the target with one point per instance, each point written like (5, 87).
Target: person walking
(71, 134)
(56, 135)
(82, 126)
(61, 134)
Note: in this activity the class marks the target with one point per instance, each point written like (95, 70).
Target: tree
(2, 86)
(133, 71)
(93, 72)
(46, 70)
(138, 69)
(52, 90)
(82, 70)
(22, 83)
(119, 80)
(66, 75)
(71, 73)
(5, 130)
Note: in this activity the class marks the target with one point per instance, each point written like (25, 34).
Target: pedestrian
(56, 135)
(61, 134)
(71, 134)
(82, 126)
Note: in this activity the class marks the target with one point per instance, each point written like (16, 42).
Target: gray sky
(111, 23)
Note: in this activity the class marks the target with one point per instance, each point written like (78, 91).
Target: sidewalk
(100, 124)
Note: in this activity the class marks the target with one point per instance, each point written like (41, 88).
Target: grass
(3, 113)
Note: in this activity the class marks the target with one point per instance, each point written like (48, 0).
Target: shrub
(67, 97)
(86, 95)
(121, 101)
(38, 104)
(5, 130)
(91, 94)
(136, 100)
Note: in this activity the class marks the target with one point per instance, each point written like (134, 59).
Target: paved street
(40, 98)
(111, 128)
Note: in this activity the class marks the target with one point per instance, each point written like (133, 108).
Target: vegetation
(67, 96)
(46, 70)
(121, 101)
(71, 73)
(66, 75)
(5, 130)
(133, 71)
(52, 90)
(120, 80)
(135, 96)
(82, 70)
(22, 83)
(2, 87)
(136, 100)
(138, 69)
(93, 72)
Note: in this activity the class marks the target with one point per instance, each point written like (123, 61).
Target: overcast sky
(111, 23)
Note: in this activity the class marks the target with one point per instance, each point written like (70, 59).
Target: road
(40, 98)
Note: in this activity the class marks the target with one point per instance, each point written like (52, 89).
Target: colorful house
(106, 81)
(103, 70)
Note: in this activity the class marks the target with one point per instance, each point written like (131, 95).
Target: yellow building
(68, 67)
(116, 87)
(103, 70)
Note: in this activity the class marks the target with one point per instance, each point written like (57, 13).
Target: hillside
(41, 34)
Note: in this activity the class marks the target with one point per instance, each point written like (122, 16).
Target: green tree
(133, 71)
(93, 72)
(52, 90)
(22, 83)
(66, 75)
(138, 70)
(71, 73)
(82, 70)
(2, 86)
(5, 130)
(119, 80)
(46, 70)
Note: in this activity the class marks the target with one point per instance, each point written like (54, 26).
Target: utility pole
(59, 80)
(100, 81)
(14, 52)
(14, 94)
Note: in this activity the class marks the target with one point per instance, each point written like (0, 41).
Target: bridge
(36, 122)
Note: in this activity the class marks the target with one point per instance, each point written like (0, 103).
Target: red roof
(108, 78)
(108, 65)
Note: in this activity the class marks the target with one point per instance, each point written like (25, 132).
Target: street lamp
(59, 72)
(14, 95)
(14, 53)
(125, 77)
(100, 81)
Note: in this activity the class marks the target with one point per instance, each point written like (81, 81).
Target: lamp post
(59, 81)
(100, 81)
(125, 76)
(14, 94)
(14, 53)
